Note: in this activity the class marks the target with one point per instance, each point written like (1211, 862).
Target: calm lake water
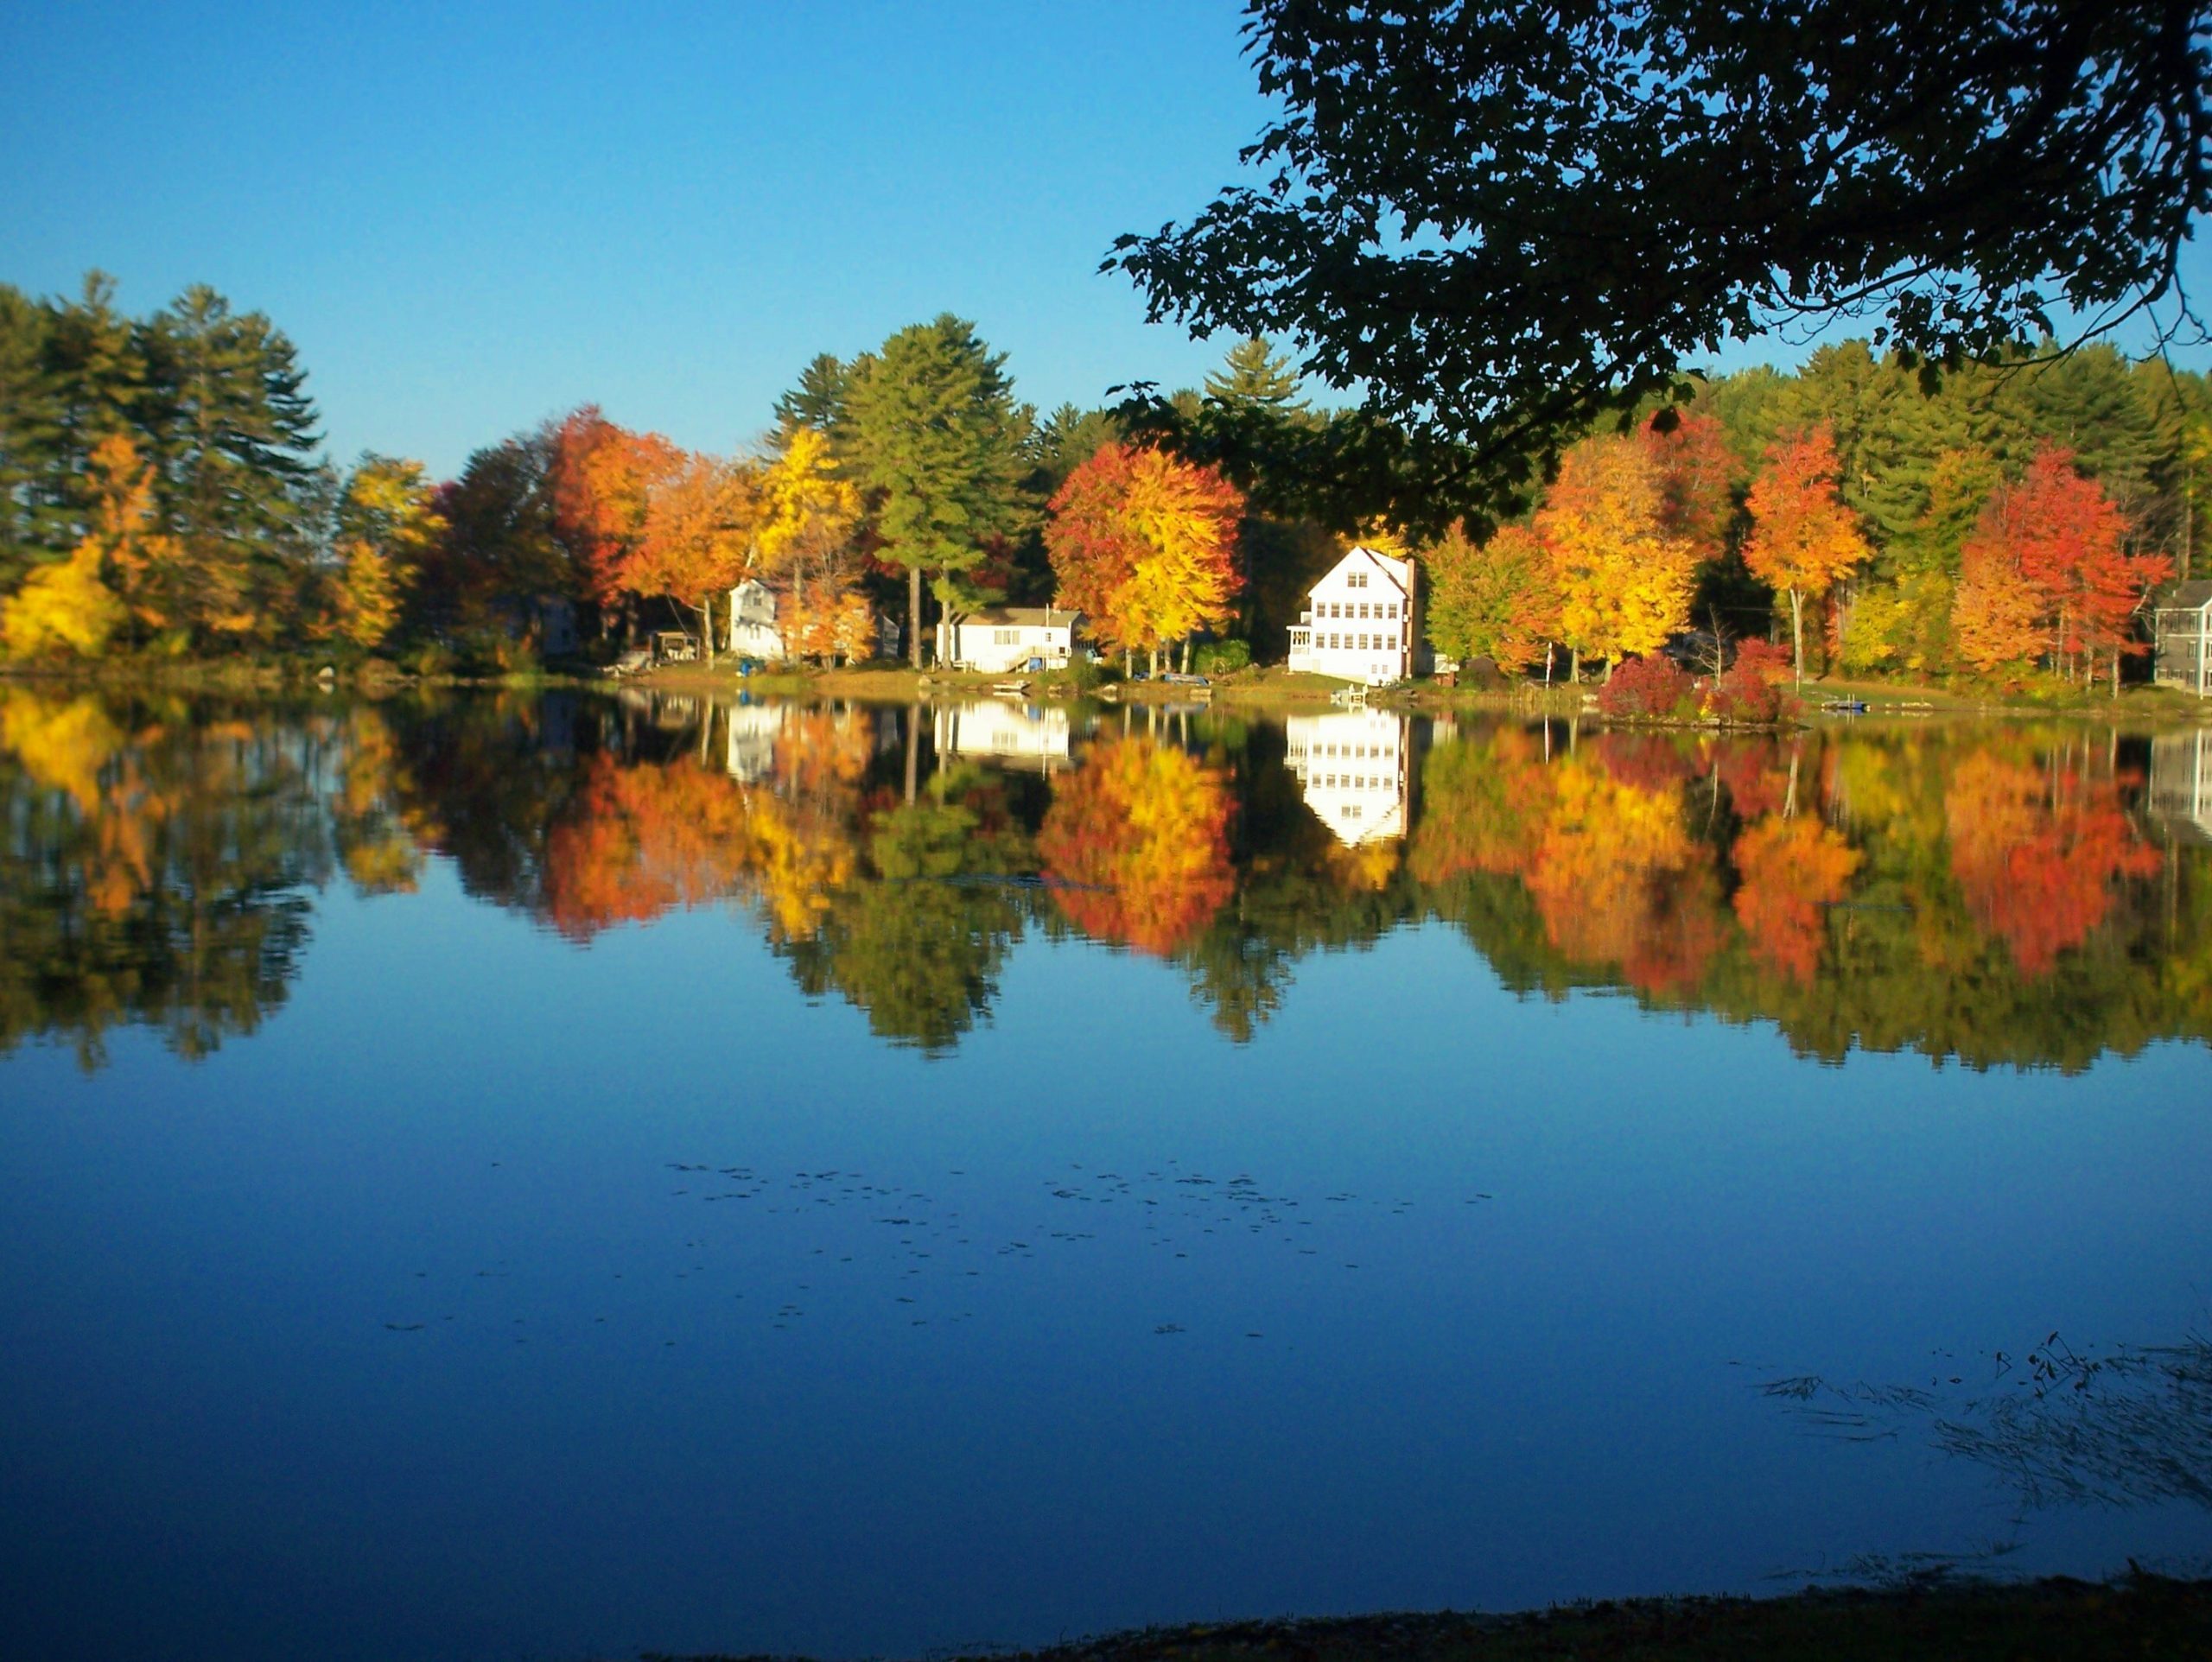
(535, 1177)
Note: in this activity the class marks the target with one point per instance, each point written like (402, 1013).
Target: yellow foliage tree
(63, 609)
(809, 511)
(1624, 583)
(386, 525)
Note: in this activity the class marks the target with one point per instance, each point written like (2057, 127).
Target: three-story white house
(1359, 622)
(1353, 767)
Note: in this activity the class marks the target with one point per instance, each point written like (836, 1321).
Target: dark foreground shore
(2142, 1616)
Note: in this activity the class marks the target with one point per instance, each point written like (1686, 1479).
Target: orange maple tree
(1791, 871)
(1802, 538)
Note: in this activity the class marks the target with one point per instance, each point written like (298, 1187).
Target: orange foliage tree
(1697, 479)
(703, 514)
(1802, 538)
(1138, 839)
(599, 478)
(1144, 545)
(2047, 568)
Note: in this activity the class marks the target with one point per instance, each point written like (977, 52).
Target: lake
(568, 1174)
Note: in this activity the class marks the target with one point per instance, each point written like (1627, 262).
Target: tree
(230, 425)
(817, 402)
(598, 478)
(387, 523)
(702, 516)
(809, 513)
(937, 438)
(1137, 841)
(1143, 544)
(1621, 582)
(498, 543)
(2047, 568)
(1802, 537)
(63, 607)
(1493, 600)
(1500, 221)
(1254, 376)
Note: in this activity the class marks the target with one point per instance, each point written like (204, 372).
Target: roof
(2187, 597)
(1023, 616)
(1395, 570)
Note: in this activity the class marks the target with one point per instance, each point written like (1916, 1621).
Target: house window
(1006, 638)
(1390, 611)
(1355, 579)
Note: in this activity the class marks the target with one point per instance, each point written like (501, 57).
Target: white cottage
(2181, 629)
(1359, 624)
(1002, 639)
(752, 630)
(1351, 766)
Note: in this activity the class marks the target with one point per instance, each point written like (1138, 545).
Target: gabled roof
(2189, 596)
(1397, 571)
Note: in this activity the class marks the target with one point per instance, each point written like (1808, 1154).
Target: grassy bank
(2056, 1620)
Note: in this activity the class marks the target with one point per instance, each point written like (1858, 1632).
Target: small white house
(1002, 638)
(752, 630)
(1359, 621)
(1352, 767)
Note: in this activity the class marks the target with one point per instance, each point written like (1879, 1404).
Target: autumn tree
(598, 478)
(75, 605)
(1802, 538)
(809, 514)
(937, 439)
(387, 523)
(1143, 544)
(703, 518)
(1491, 599)
(1623, 582)
(2047, 569)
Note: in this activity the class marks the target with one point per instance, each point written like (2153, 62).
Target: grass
(2143, 1617)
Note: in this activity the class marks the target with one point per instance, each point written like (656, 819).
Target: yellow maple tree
(1622, 580)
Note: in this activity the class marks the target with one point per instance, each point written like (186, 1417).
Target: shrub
(1751, 691)
(1651, 688)
(1220, 657)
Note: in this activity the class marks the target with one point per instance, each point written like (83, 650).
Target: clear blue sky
(473, 217)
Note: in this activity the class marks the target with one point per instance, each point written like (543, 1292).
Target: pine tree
(1253, 378)
(937, 437)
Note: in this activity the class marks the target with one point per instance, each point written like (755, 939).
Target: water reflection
(2022, 896)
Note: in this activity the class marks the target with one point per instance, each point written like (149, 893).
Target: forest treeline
(1999, 896)
(162, 493)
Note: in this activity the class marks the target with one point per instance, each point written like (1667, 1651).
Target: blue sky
(471, 218)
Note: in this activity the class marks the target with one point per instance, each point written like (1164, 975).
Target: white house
(1359, 621)
(2182, 629)
(1351, 766)
(755, 633)
(750, 733)
(752, 630)
(995, 730)
(1002, 639)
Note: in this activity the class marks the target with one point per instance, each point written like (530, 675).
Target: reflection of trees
(155, 870)
(918, 943)
(1138, 836)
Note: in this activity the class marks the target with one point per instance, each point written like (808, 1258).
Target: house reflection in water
(1352, 766)
(752, 731)
(2181, 783)
(1031, 736)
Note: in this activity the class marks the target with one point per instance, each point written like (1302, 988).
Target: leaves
(1143, 544)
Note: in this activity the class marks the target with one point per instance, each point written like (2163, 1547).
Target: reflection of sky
(214, 1444)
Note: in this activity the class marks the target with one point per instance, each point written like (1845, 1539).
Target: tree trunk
(914, 616)
(913, 748)
(1128, 664)
(1187, 655)
(1797, 633)
(1574, 666)
(707, 632)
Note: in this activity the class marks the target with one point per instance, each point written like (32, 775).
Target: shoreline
(2140, 1614)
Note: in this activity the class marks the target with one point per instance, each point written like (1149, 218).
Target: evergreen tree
(818, 399)
(1253, 378)
(232, 426)
(937, 438)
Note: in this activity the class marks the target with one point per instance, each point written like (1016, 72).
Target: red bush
(1652, 686)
